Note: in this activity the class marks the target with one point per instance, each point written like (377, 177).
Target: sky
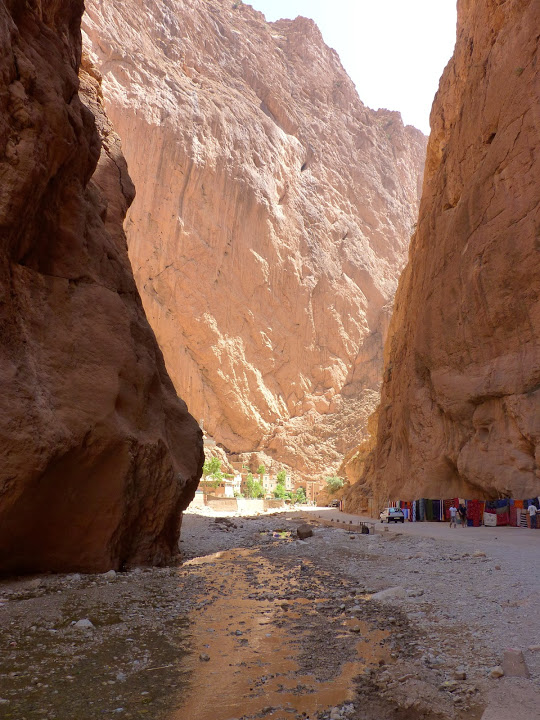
(393, 50)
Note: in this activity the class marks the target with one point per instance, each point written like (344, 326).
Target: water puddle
(256, 655)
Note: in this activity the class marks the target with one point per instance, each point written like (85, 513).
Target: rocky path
(258, 624)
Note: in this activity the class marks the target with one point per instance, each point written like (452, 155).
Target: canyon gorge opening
(204, 228)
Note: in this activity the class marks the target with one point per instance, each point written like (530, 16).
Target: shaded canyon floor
(256, 624)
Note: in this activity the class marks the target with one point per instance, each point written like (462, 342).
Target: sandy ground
(258, 624)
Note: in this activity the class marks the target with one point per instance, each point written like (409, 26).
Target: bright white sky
(393, 50)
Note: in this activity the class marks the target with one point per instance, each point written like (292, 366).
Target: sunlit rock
(272, 218)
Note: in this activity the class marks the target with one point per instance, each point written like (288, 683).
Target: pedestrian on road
(532, 515)
(462, 510)
(453, 513)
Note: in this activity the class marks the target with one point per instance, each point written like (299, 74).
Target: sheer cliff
(460, 407)
(98, 455)
(272, 218)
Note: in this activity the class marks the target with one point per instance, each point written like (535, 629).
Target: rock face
(98, 455)
(272, 218)
(460, 408)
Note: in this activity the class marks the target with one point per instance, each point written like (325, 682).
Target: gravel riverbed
(256, 623)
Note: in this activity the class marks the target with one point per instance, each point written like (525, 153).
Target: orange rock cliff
(98, 455)
(272, 218)
(460, 407)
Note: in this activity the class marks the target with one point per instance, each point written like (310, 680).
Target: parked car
(392, 515)
(333, 503)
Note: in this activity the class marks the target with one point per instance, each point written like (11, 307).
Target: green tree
(300, 496)
(280, 492)
(261, 470)
(212, 466)
(212, 475)
(334, 483)
(254, 488)
(217, 479)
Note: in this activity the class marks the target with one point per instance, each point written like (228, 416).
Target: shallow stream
(253, 654)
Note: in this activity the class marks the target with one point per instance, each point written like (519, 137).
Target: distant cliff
(272, 218)
(98, 455)
(460, 407)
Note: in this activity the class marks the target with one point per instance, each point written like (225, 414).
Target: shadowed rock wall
(98, 456)
(460, 408)
(272, 218)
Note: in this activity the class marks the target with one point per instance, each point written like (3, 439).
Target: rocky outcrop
(98, 455)
(460, 408)
(272, 218)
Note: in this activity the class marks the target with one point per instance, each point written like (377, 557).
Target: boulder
(304, 531)
(84, 624)
(513, 664)
(393, 593)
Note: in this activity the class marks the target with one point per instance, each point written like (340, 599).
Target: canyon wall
(272, 218)
(98, 455)
(460, 406)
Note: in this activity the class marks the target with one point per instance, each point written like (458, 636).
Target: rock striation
(460, 407)
(98, 455)
(272, 218)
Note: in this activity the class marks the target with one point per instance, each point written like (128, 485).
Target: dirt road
(258, 624)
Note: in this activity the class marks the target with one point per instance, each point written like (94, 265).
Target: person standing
(453, 513)
(532, 515)
(462, 510)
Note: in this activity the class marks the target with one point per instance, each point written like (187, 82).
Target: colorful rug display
(494, 513)
(475, 512)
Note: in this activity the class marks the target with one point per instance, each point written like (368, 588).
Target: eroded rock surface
(272, 218)
(460, 408)
(98, 455)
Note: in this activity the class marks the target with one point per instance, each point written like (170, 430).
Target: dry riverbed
(256, 624)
